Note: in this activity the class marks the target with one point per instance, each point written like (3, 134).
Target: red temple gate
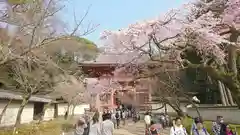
(132, 92)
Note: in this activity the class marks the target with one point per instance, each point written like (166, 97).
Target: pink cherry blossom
(231, 14)
(201, 22)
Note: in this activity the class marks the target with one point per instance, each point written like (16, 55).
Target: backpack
(87, 129)
(151, 131)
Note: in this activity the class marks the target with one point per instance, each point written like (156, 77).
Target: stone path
(131, 129)
(135, 129)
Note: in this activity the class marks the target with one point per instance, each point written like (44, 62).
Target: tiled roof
(16, 96)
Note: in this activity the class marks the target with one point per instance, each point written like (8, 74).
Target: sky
(115, 14)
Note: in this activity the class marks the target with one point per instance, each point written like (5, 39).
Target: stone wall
(168, 108)
(230, 114)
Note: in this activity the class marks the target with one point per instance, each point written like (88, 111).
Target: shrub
(54, 127)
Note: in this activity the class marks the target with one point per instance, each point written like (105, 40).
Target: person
(134, 117)
(86, 129)
(95, 126)
(117, 115)
(226, 130)
(80, 126)
(216, 126)
(229, 131)
(147, 119)
(104, 115)
(138, 116)
(173, 122)
(124, 117)
(107, 126)
(113, 118)
(129, 113)
(153, 129)
(126, 114)
(194, 126)
(199, 129)
(167, 120)
(163, 120)
(177, 128)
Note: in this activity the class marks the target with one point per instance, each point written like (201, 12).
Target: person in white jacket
(80, 126)
(177, 128)
(147, 119)
(95, 126)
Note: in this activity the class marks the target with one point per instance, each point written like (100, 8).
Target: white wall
(49, 113)
(81, 108)
(62, 108)
(10, 115)
(169, 108)
(230, 114)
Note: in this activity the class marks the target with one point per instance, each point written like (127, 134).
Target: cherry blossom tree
(211, 28)
(104, 87)
(26, 29)
(73, 91)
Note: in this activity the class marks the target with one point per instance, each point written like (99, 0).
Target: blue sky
(116, 14)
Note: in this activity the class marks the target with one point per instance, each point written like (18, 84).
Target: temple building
(111, 88)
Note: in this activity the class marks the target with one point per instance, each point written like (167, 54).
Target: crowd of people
(177, 128)
(94, 126)
(121, 115)
(153, 126)
(110, 121)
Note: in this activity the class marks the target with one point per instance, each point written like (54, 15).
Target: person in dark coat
(86, 130)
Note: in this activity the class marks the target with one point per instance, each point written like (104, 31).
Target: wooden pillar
(55, 110)
(112, 99)
(97, 105)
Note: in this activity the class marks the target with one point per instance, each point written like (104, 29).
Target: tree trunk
(20, 110)
(225, 94)
(178, 110)
(230, 97)
(165, 108)
(223, 99)
(163, 105)
(232, 66)
(4, 110)
(73, 109)
(67, 112)
(228, 79)
(230, 75)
